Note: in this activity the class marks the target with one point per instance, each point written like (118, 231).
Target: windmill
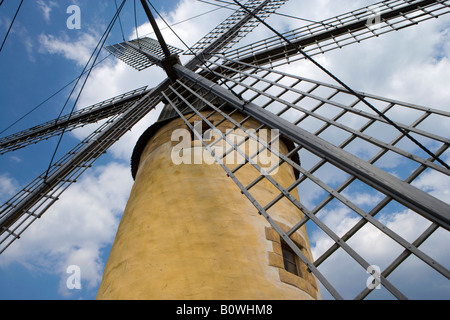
(244, 80)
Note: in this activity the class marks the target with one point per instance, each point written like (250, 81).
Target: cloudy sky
(41, 56)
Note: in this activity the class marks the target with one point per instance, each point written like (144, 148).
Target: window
(291, 269)
(289, 259)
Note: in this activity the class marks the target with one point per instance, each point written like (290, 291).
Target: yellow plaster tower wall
(188, 233)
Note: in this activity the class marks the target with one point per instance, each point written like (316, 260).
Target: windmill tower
(250, 213)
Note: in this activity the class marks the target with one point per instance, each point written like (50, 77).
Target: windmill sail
(235, 27)
(340, 31)
(91, 114)
(29, 204)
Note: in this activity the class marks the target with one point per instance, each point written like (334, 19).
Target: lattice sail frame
(235, 27)
(140, 53)
(341, 31)
(329, 114)
(29, 204)
(102, 110)
(285, 96)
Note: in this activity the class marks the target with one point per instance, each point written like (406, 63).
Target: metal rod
(155, 27)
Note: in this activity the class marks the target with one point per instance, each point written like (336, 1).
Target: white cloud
(77, 227)
(8, 187)
(109, 80)
(46, 8)
(190, 31)
(78, 51)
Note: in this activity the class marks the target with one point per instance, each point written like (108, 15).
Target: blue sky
(42, 55)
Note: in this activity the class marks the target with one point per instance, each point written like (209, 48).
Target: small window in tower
(289, 259)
